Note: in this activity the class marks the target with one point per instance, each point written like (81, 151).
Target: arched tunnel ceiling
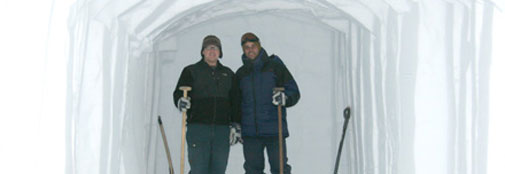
(158, 19)
(202, 14)
(150, 18)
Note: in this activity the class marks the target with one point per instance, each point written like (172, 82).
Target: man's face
(251, 50)
(211, 53)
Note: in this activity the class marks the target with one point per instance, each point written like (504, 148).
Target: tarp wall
(423, 78)
(413, 72)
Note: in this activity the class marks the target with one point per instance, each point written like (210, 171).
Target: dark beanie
(211, 40)
(250, 37)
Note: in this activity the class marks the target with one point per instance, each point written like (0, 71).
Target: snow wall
(415, 73)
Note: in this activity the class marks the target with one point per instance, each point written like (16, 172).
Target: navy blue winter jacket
(256, 80)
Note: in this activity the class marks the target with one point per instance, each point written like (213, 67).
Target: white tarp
(420, 75)
(413, 72)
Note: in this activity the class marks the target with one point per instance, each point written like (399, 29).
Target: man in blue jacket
(257, 78)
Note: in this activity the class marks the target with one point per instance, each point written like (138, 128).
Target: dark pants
(254, 148)
(208, 148)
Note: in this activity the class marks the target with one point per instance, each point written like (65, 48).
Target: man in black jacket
(258, 103)
(208, 109)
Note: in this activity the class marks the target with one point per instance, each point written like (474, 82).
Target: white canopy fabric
(415, 73)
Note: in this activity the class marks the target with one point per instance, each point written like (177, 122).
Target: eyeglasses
(211, 47)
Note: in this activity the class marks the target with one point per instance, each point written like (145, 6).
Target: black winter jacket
(210, 95)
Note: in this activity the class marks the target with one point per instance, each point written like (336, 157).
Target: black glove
(183, 104)
(279, 98)
(235, 134)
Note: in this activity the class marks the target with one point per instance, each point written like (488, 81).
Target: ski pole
(167, 150)
(347, 115)
(279, 111)
(185, 90)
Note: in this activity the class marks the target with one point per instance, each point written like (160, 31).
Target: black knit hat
(250, 37)
(211, 40)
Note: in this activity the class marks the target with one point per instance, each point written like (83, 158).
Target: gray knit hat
(212, 40)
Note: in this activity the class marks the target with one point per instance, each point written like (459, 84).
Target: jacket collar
(258, 61)
(205, 64)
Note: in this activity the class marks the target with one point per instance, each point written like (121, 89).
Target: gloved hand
(235, 134)
(279, 98)
(183, 104)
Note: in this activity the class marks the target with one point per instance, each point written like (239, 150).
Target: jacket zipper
(215, 97)
(215, 101)
(254, 102)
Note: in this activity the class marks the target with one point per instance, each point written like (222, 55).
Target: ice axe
(279, 111)
(347, 116)
(185, 90)
(167, 150)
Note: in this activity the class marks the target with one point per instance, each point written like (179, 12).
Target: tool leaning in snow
(279, 111)
(167, 150)
(347, 115)
(185, 90)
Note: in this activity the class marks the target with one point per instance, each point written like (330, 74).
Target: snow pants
(254, 148)
(208, 148)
